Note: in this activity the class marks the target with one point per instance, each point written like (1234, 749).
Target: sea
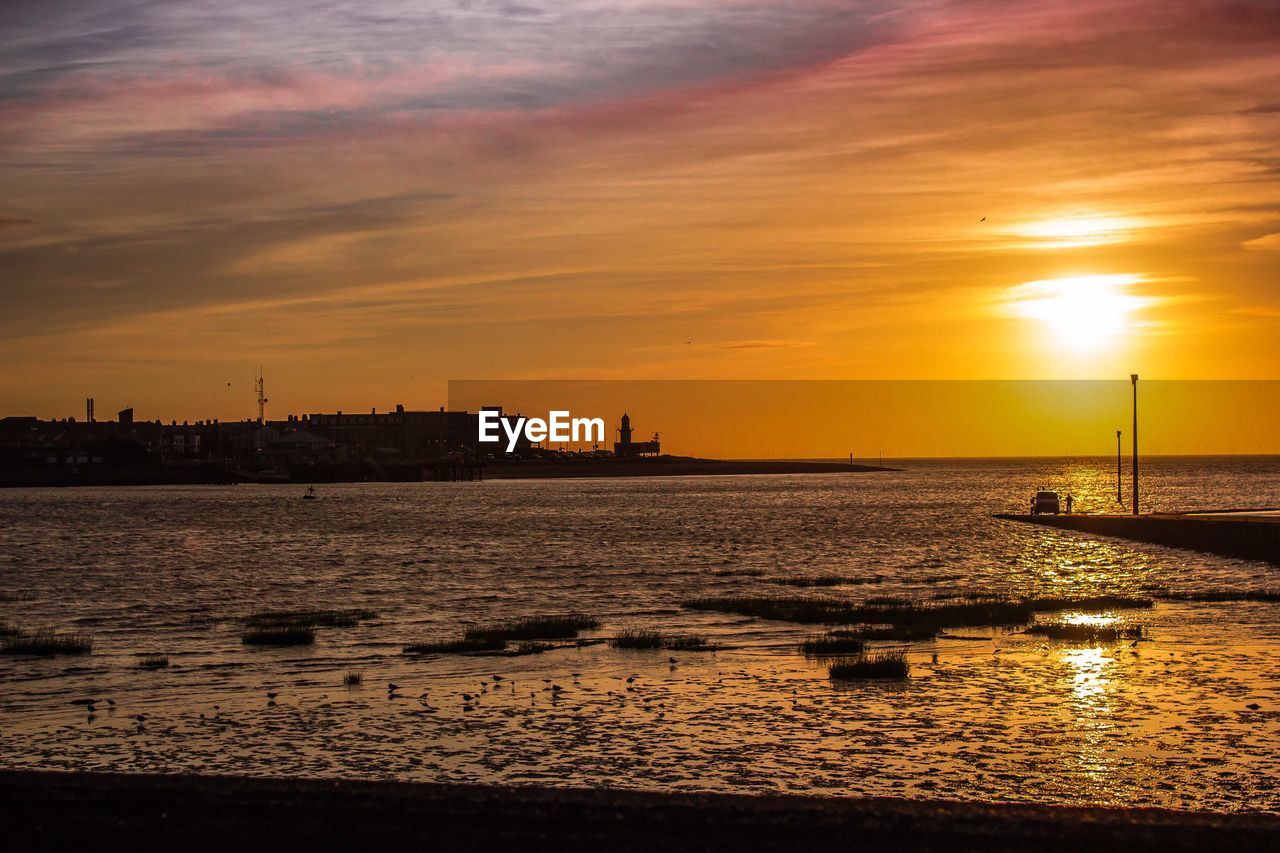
(1188, 718)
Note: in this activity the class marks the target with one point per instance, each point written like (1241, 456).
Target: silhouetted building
(625, 448)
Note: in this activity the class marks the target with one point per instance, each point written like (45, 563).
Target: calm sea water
(998, 716)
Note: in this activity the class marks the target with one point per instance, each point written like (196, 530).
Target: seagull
(672, 661)
(497, 678)
(392, 687)
(983, 219)
(271, 694)
(1253, 706)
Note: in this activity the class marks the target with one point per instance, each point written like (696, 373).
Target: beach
(1162, 692)
(43, 809)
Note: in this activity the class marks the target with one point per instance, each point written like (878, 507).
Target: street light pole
(1119, 472)
(1133, 378)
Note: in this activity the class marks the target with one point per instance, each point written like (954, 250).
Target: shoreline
(684, 467)
(537, 469)
(43, 808)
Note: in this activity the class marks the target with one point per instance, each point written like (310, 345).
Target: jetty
(1248, 534)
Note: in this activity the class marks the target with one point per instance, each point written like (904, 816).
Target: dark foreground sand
(55, 810)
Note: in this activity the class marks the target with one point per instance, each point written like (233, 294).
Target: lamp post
(1133, 379)
(1119, 472)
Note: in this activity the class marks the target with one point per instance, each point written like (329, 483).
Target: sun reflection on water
(1091, 710)
(1095, 619)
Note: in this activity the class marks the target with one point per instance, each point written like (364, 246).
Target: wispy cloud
(820, 187)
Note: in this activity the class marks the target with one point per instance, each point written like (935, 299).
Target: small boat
(311, 494)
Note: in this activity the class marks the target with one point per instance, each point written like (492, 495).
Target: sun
(1084, 312)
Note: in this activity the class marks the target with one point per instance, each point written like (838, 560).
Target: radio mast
(262, 399)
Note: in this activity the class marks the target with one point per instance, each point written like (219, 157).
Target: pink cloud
(97, 105)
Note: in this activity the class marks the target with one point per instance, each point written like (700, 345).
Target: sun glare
(1083, 312)
(1074, 231)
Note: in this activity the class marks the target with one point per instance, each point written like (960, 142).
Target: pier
(1245, 534)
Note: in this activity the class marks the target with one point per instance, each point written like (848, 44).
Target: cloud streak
(805, 187)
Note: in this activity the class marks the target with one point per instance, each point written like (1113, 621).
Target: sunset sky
(371, 198)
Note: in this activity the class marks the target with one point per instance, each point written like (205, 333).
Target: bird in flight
(983, 219)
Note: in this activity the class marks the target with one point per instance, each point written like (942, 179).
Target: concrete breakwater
(1246, 534)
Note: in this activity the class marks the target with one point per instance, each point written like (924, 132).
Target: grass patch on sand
(637, 639)
(1091, 602)
(688, 643)
(279, 635)
(46, 643)
(353, 678)
(831, 645)
(872, 665)
(826, 580)
(308, 618)
(897, 633)
(453, 647)
(953, 614)
(564, 627)
(153, 661)
(643, 638)
(1212, 595)
(8, 629)
(532, 647)
(1085, 633)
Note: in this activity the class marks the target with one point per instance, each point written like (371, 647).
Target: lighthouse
(625, 448)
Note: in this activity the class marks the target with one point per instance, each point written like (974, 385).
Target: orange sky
(796, 419)
(369, 206)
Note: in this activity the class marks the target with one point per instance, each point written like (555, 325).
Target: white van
(1045, 502)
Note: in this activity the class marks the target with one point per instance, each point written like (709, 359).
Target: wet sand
(55, 809)
(1188, 718)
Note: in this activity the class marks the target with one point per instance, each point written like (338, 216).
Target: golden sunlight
(1085, 312)
(1075, 231)
(1095, 619)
